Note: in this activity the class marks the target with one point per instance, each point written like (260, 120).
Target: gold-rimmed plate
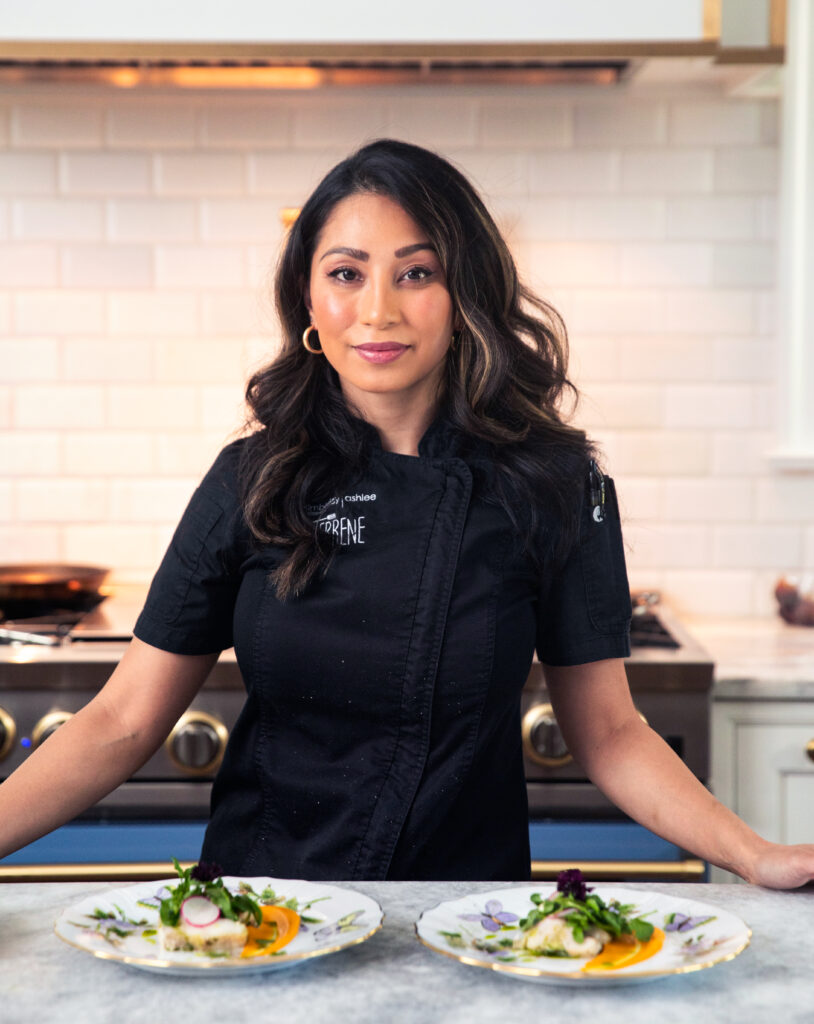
(481, 930)
(121, 925)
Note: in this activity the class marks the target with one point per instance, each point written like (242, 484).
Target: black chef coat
(381, 732)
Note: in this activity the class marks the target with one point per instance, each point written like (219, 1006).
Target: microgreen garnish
(233, 906)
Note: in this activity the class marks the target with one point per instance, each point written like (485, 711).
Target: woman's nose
(379, 304)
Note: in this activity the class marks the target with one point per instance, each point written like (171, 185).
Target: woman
(409, 518)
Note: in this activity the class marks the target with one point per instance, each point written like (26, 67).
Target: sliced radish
(198, 911)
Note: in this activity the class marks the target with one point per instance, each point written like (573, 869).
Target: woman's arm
(102, 745)
(643, 776)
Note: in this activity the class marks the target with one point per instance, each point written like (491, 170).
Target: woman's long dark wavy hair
(504, 385)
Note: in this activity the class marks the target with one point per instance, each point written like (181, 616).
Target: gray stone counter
(393, 979)
(761, 658)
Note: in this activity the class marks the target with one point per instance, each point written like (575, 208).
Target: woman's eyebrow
(408, 250)
(360, 254)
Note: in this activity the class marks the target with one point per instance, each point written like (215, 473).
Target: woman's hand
(782, 867)
(640, 773)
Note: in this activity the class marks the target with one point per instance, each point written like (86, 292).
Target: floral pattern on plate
(481, 930)
(122, 925)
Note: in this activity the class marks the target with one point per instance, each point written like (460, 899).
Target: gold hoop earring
(305, 333)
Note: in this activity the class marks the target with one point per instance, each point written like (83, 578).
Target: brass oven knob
(542, 739)
(8, 731)
(197, 743)
(47, 725)
(810, 749)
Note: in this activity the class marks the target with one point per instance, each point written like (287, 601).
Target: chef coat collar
(441, 440)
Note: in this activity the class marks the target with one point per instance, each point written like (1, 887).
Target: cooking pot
(33, 589)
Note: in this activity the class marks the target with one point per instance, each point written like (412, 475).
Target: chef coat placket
(404, 773)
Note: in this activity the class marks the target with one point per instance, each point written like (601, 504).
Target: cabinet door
(761, 768)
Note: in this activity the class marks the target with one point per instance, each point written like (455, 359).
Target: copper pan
(38, 589)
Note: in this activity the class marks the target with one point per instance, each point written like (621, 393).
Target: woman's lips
(380, 351)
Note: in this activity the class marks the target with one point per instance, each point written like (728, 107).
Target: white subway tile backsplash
(704, 406)
(728, 592)
(540, 125)
(623, 219)
(716, 123)
(60, 313)
(29, 265)
(570, 263)
(346, 124)
(575, 172)
(152, 407)
(23, 174)
(671, 264)
(137, 299)
(61, 501)
(200, 267)
(747, 169)
(5, 126)
(808, 549)
(743, 359)
(660, 453)
(222, 408)
(6, 501)
(105, 174)
(744, 265)
(291, 174)
(785, 499)
(20, 542)
(711, 218)
(59, 406)
(152, 220)
(241, 220)
(107, 266)
(706, 311)
(741, 453)
(163, 125)
(201, 361)
(666, 172)
(187, 454)
(109, 453)
(48, 220)
(104, 360)
(769, 547)
(125, 546)
(609, 124)
(241, 124)
(153, 313)
(425, 122)
(179, 174)
(665, 357)
(56, 123)
(660, 545)
(30, 453)
(150, 500)
(29, 359)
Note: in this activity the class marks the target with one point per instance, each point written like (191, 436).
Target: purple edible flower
(492, 917)
(206, 871)
(683, 923)
(571, 883)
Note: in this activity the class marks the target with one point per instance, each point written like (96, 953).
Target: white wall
(136, 234)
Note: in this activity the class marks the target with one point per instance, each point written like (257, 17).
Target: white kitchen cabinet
(761, 767)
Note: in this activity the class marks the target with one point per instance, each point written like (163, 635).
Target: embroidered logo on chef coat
(347, 529)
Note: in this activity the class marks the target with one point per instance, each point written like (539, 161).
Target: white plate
(470, 929)
(112, 925)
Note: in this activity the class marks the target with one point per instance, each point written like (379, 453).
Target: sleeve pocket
(607, 592)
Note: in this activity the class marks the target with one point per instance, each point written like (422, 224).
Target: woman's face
(378, 298)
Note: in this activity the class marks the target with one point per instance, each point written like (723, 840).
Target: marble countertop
(392, 977)
(761, 657)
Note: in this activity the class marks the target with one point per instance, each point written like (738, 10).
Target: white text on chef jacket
(346, 529)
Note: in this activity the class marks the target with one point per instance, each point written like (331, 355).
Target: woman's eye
(346, 274)
(418, 273)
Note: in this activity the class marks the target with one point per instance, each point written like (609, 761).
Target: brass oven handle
(197, 722)
(542, 713)
(48, 724)
(144, 872)
(690, 870)
(810, 749)
(8, 732)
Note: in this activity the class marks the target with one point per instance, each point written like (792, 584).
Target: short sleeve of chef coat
(584, 609)
(190, 604)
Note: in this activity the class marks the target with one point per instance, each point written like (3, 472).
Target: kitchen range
(51, 665)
